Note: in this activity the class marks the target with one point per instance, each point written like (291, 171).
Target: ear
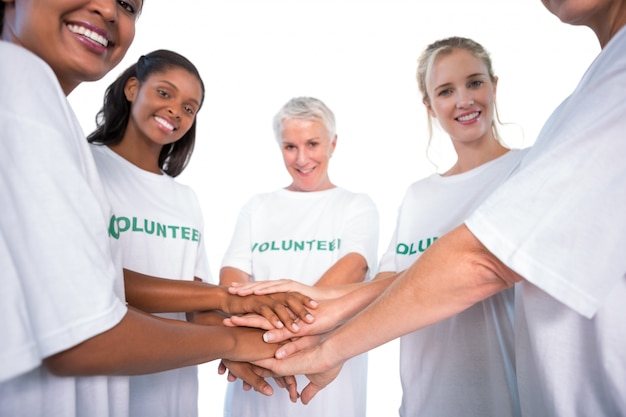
(333, 144)
(429, 108)
(130, 88)
(495, 85)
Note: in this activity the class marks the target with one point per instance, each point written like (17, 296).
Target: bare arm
(348, 269)
(160, 295)
(153, 294)
(142, 343)
(228, 275)
(341, 278)
(452, 275)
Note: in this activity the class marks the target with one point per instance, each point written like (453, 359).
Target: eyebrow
(173, 86)
(476, 74)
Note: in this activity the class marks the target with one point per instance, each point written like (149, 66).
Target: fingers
(309, 392)
(297, 345)
(261, 287)
(292, 387)
(278, 335)
(251, 375)
(249, 320)
(221, 368)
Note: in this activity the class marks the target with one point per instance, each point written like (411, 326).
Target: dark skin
(208, 305)
(142, 343)
(160, 295)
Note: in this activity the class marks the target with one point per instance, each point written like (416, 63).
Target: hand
(279, 285)
(280, 309)
(248, 345)
(329, 315)
(310, 362)
(253, 376)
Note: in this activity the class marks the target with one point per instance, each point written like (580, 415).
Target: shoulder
(355, 199)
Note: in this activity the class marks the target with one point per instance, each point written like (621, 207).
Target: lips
(468, 117)
(166, 124)
(92, 34)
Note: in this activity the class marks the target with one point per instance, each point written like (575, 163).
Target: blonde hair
(443, 47)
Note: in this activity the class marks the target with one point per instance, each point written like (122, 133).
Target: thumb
(309, 392)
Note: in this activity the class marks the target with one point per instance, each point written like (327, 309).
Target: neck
(469, 158)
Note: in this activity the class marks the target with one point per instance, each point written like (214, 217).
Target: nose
(173, 112)
(464, 99)
(302, 157)
(106, 8)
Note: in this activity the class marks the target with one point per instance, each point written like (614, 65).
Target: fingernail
(280, 325)
(280, 353)
(295, 327)
(268, 337)
(314, 303)
(267, 390)
(309, 317)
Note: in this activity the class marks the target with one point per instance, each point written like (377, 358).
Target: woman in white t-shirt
(310, 231)
(554, 229)
(145, 137)
(68, 337)
(464, 365)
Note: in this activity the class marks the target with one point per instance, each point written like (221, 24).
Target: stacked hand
(301, 350)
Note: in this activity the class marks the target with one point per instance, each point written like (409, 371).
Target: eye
(313, 144)
(475, 83)
(190, 110)
(128, 7)
(444, 92)
(162, 93)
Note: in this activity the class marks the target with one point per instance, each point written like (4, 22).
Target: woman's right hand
(280, 309)
(280, 285)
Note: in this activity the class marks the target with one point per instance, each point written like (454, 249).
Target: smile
(468, 117)
(89, 34)
(165, 123)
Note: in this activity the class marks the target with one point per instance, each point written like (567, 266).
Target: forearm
(228, 275)
(453, 274)
(159, 295)
(349, 269)
(142, 343)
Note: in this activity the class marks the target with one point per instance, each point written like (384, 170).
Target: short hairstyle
(307, 108)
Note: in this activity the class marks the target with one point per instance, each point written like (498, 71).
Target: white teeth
(468, 117)
(81, 30)
(164, 122)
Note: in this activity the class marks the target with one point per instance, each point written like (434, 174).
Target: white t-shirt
(157, 223)
(465, 365)
(60, 285)
(560, 222)
(300, 235)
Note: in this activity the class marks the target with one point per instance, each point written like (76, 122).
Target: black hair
(112, 119)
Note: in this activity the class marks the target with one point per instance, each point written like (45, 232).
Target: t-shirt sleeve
(57, 270)
(238, 254)
(58, 276)
(388, 260)
(559, 221)
(361, 231)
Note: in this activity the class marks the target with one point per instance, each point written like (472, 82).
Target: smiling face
(307, 148)
(461, 96)
(81, 40)
(163, 107)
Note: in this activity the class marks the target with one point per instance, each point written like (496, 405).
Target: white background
(360, 58)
